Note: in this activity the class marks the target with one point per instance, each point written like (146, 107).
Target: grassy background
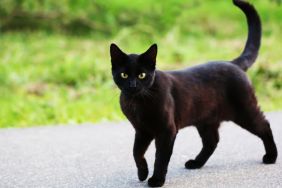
(54, 55)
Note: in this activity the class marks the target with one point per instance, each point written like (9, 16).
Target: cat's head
(134, 74)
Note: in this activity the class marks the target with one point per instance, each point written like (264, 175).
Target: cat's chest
(142, 115)
(138, 112)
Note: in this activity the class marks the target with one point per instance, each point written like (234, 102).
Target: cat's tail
(250, 53)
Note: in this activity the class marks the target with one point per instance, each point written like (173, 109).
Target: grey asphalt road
(101, 156)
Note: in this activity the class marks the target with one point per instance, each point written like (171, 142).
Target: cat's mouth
(131, 93)
(134, 92)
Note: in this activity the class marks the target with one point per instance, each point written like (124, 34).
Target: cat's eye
(123, 75)
(142, 75)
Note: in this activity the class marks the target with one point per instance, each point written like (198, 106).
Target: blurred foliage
(107, 17)
(84, 16)
(54, 55)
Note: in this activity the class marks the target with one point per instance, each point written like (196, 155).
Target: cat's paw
(143, 173)
(269, 158)
(156, 182)
(193, 164)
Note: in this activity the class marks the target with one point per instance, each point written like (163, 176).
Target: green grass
(54, 79)
(50, 77)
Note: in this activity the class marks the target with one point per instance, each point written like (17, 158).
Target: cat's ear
(117, 56)
(149, 57)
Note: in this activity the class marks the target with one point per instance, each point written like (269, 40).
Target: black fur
(161, 103)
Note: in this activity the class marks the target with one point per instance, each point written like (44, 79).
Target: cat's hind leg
(210, 138)
(253, 120)
(248, 115)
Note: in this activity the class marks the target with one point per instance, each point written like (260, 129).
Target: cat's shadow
(180, 176)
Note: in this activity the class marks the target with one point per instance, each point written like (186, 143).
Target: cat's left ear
(149, 57)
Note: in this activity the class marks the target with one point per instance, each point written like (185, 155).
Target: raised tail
(250, 53)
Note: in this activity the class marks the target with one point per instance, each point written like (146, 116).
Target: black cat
(159, 103)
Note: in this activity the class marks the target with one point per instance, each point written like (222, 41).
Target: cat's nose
(132, 83)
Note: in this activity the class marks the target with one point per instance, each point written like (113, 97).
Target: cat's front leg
(164, 147)
(141, 143)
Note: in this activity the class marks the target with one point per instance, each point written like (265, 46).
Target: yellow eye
(142, 75)
(123, 75)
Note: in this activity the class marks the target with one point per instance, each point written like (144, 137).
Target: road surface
(101, 156)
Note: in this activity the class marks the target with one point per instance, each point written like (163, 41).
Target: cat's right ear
(117, 56)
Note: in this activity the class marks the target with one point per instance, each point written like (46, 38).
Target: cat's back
(211, 72)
